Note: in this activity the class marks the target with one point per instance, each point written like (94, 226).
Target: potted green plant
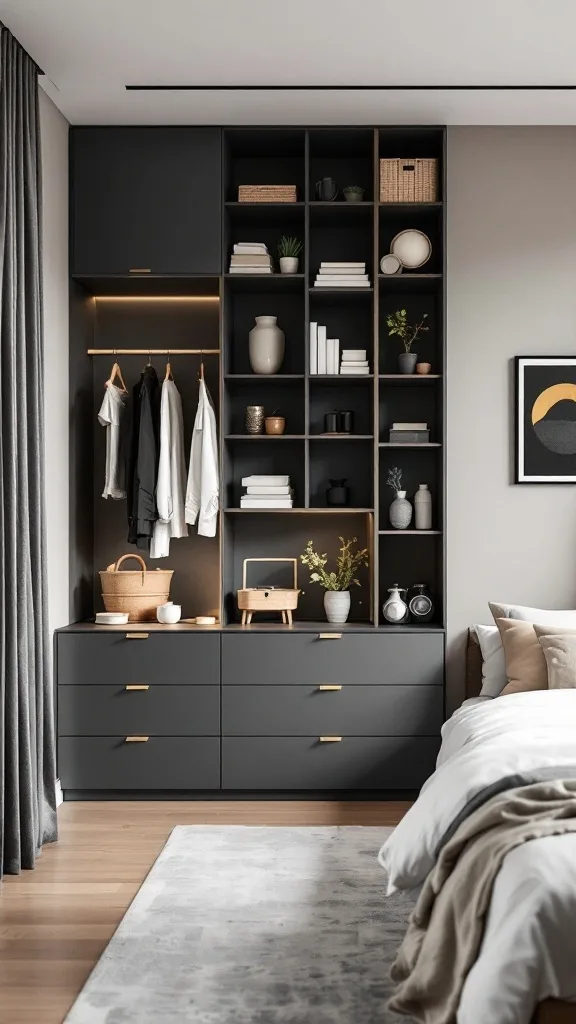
(353, 193)
(336, 584)
(398, 324)
(289, 250)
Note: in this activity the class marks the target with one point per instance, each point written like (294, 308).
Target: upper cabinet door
(146, 199)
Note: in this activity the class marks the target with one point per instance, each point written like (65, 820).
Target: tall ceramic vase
(400, 512)
(423, 508)
(266, 345)
(337, 605)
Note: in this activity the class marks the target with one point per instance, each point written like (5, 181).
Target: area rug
(239, 925)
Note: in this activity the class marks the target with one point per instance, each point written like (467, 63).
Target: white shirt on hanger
(171, 484)
(203, 490)
(110, 416)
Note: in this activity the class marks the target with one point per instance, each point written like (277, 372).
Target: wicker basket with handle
(138, 592)
(409, 181)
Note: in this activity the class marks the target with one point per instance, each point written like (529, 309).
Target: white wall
(54, 131)
(511, 291)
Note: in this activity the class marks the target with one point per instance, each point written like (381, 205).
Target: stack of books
(354, 362)
(409, 433)
(342, 275)
(250, 258)
(324, 352)
(267, 492)
(267, 193)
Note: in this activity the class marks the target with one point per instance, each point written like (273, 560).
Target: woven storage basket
(409, 181)
(137, 592)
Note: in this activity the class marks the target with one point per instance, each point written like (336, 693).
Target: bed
(525, 970)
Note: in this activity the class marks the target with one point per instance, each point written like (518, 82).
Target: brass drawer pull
(137, 739)
(140, 270)
(330, 739)
(329, 636)
(137, 686)
(325, 687)
(137, 636)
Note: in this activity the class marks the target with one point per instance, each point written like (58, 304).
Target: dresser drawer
(117, 657)
(160, 711)
(292, 763)
(351, 711)
(180, 762)
(354, 658)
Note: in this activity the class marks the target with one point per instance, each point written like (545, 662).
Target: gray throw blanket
(446, 927)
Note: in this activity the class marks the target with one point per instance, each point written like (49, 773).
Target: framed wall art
(545, 420)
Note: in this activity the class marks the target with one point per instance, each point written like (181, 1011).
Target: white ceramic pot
(288, 264)
(168, 614)
(400, 512)
(266, 345)
(337, 605)
(394, 609)
(423, 508)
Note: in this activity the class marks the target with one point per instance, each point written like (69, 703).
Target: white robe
(171, 483)
(110, 416)
(203, 491)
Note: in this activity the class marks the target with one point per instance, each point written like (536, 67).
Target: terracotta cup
(275, 424)
(423, 368)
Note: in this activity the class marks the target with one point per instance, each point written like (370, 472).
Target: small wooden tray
(279, 599)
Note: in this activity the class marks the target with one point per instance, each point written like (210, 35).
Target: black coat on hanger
(144, 453)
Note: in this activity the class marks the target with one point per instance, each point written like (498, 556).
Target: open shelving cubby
(336, 230)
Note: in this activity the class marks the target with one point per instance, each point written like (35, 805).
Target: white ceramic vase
(394, 609)
(288, 264)
(423, 508)
(266, 345)
(337, 605)
(400, 512)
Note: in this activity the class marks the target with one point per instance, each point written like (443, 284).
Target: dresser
(154, 711)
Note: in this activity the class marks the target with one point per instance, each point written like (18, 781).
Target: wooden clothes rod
(153, 351)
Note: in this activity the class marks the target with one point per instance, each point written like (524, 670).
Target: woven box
(409, 181)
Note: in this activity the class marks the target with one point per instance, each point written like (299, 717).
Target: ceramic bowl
(423, 368)
(275, 424)
(412, 247)
(168, 614)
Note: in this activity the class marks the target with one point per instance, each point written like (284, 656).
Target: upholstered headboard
(473, 666)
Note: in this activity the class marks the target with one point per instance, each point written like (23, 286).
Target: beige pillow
(525, 661)
(560, 653)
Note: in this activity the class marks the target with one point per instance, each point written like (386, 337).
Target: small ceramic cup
(168, 614)
(275, 424)
(423, 368)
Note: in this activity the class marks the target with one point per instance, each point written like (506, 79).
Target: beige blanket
(446, 927)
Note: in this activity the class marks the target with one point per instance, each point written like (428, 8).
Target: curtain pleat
(27, 761)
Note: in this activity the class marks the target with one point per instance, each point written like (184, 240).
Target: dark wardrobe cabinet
(146, 200)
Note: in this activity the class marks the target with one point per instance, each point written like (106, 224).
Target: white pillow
(525, 614)
(494, 677)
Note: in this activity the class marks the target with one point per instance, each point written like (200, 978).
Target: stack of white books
(354, 362)
(267, 492)
(342, 275)
(250, 258)
(324, 352)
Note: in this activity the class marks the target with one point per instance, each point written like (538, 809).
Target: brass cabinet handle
(137, 686)
(137, 739)
(330, 739)
(324, 687)
(140, 270)
(137, 636)
(329, 636)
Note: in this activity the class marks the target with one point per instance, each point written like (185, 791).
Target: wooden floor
(56, 920)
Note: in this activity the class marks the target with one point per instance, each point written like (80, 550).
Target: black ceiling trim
(350, 88)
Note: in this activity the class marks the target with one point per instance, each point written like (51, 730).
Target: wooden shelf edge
(307, 511)
(410, 533)
(403, 444)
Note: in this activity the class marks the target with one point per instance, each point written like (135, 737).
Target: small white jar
(168, 614)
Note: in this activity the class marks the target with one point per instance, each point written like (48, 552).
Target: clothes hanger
(201, 370)
(168, 375)
(117, 372)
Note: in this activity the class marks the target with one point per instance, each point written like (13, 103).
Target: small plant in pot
(289, 250)
(336, 584)
(397, 323)
(400, 511)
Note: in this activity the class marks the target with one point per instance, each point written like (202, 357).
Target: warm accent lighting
(156, 298)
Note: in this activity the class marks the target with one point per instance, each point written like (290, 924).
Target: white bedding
(529, 947)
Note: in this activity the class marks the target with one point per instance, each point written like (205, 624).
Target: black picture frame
(545, 446)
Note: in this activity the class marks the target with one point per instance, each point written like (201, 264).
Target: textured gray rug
(239, 925)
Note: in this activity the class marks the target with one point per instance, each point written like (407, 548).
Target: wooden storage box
(409, 181)
(275, 599)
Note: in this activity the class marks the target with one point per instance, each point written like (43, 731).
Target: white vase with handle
(337, 605)
(266, 345)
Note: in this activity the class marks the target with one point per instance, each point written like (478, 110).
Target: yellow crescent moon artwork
(558, 431)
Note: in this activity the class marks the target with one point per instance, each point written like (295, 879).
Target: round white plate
(413, 248)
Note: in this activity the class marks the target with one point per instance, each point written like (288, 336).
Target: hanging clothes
(171, 487)
(143, 459)
(111, 416)
(203, 490)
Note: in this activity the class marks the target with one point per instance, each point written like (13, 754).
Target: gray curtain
(27, 764)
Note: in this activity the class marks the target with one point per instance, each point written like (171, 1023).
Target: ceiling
(90, 49)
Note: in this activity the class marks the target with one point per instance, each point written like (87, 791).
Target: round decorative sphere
(412, 247)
